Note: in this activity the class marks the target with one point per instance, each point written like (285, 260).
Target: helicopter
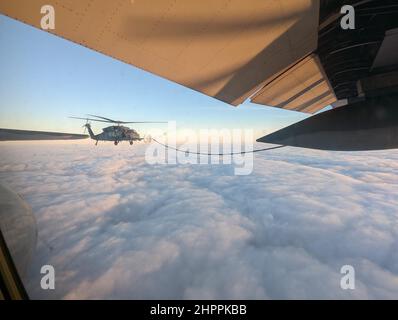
(115, 133)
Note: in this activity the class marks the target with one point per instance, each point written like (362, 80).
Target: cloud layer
(114, 226)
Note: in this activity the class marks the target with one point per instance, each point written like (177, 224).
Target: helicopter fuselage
(115, 134)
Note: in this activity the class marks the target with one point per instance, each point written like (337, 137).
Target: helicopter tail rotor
(87, 124)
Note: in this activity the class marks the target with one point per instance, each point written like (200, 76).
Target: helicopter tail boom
(90, 131)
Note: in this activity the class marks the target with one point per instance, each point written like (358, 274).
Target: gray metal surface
(367, 125)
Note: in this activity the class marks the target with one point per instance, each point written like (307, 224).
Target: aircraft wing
(225, 49)
(14, 135)
(281, 53)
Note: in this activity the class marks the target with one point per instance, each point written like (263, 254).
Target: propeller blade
(90, 119)
(107, 120)
(111, 120)
(118, 121)
(142, 122)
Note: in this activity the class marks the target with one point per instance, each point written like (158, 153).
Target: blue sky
(44, 79)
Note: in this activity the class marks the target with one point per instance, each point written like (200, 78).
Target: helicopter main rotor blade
(107, 120)
(143, 122)
(90, 119)
(110, 120)
(125, 122)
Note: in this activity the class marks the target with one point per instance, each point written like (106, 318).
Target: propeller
(87, 119)
(107, 120)
(119, 122)
(85, 125)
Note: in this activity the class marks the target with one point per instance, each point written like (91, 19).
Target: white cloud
(114, 226)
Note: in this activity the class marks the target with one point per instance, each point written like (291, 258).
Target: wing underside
(227, 49)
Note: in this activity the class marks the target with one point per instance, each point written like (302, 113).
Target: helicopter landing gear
(131, 142)
(116, 142)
